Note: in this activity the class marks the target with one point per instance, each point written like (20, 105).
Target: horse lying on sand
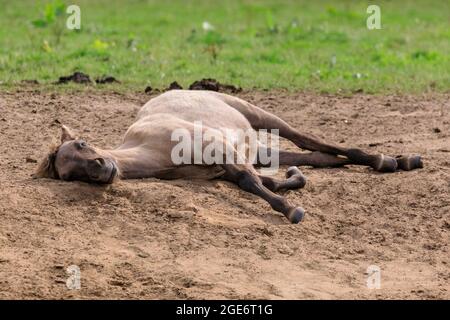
(146, 150)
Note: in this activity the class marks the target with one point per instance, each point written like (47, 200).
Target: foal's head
(74, 159)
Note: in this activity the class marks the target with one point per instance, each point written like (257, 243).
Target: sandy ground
(152, 239)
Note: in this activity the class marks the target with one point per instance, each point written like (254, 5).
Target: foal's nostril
(100, 161)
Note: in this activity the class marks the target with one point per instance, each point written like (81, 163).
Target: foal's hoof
(296, 175)
(386, 164)
(409, 162)
(292, 170)
(296, 215)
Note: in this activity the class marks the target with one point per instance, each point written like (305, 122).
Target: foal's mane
(46, 168)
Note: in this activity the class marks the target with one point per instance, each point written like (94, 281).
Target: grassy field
(307, 45)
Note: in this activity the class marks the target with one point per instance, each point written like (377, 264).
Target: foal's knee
(247, 181)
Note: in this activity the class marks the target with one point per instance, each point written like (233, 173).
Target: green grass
(263, 44)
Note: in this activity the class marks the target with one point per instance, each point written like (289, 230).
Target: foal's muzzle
(102, 170)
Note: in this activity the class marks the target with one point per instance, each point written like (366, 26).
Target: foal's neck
(131, 162)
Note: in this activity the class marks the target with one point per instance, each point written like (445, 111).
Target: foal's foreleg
(294, 180)
(247, 179)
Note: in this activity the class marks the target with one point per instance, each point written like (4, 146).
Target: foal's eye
(82, 144)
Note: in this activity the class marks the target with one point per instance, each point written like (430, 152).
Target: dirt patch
(192, 239)
(173, 86)
(203, 84)
(106, 79)
(77, 77)
(148, 90)
(213, 85)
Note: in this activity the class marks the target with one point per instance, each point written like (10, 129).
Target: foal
(146, 149)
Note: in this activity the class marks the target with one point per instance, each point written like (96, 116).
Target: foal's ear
(66, 134)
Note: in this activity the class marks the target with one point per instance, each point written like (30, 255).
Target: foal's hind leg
(314, 159)
(260, 119)
(378, 162)
(247, 179)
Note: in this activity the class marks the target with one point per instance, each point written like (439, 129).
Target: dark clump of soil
(77, 77)
(30, 160)
(203, 84)
(213, 85)
(151, 90)
(148, 89)
(106, 79)
(174, 86)
(360, 90)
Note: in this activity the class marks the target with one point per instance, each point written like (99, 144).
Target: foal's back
(193, 106)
